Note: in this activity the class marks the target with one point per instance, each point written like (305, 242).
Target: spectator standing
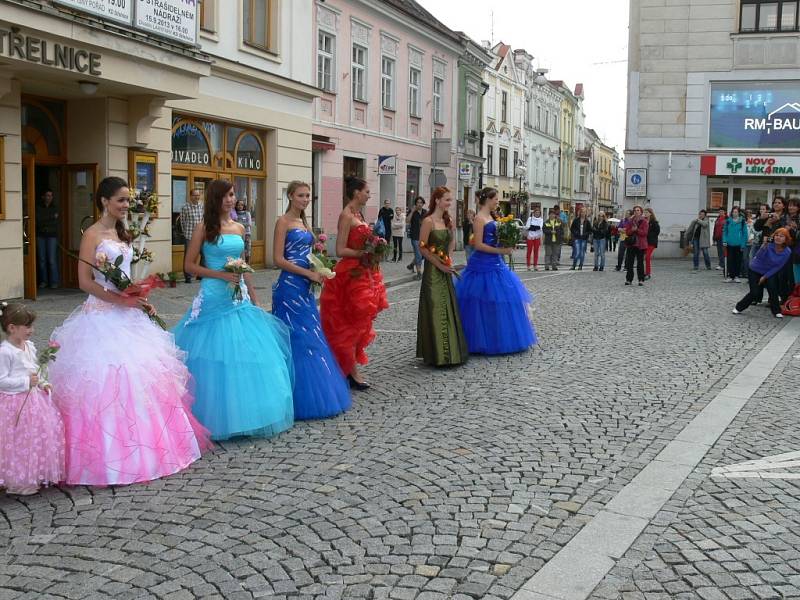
(191, 216)
(47, 216)
(581, 230)
(553, 238)
(414, 219)
(734, 238)
(601, 232)
(398, 234)
(748, 249)
(793, 224)
(534, 228)
(244, 218)
(717, 238)
(764, 270)
(697, 236)
(466, 232)
(653, 231)
(773, 220)
(636, 239)
(386, 214)
(613, 237)
(623, 246)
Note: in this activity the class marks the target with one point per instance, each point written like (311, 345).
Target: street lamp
(520, 171)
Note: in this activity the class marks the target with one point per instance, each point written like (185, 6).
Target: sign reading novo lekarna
(52, 54)
(750, 166)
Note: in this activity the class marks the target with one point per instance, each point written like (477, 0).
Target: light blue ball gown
(320, 389)
(238, 354)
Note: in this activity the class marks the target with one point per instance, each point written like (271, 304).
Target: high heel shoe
(356, 385)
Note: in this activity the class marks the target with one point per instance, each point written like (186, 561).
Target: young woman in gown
(239, 355)
(350, 301)
(118, 379)
(320, 389)
(440, 338)
(493, 301)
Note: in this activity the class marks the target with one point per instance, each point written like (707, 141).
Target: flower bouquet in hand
(237, 265)
(440, 254)
(375, 248)
(508, 235)
(43, 359)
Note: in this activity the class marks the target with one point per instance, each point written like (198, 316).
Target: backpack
(379, 229)
(791, 308)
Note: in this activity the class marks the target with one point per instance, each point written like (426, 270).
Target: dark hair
(107, 188)
(737, 209)
(418, 198)
(290, 190)
(212, 209)
(703, 210)
(353, 185)
(486, 193)
(438, 193)
(16, 314)
(793, 202)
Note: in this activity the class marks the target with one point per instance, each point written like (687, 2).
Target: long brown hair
(15, 314)
(437, 194)
(212, 210)
(106, 189)
(293, 187)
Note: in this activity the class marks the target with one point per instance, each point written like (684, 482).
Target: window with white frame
(326, 48)
(538, 117)
(358, 73)
(504, 107)
(489, 159)
(414, 78)
(472, 113)
(387, 82)
(547, 121)
(438, 88)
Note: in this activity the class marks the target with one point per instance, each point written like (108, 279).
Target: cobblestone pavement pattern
(455, 483)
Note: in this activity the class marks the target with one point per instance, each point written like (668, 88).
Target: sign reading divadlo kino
(176, 19)
(745, 165)
(755, 116)
(116, 10)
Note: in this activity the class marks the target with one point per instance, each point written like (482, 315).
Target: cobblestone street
(462, 483)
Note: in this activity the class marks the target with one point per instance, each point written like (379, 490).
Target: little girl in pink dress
(31, 430)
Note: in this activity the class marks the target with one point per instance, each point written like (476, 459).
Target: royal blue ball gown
(320, 389)
(238, 354)
(494, 303)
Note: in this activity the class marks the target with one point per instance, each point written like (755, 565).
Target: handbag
(379, 229)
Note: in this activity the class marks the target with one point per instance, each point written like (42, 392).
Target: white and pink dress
(31, 449)
(122, 388)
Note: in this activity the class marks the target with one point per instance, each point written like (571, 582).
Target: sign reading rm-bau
(636, 183)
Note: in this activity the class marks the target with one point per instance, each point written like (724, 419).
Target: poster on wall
(636, 183)
(754, 116)
(114, 10)
(175, 19)
(387, 165)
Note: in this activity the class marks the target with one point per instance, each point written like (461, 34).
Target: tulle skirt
(320, 389)
(241, 361)
(122, 389)
(494, 307)
(31, 452)
(349, 303)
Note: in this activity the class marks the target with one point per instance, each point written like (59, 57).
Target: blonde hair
(290, 191)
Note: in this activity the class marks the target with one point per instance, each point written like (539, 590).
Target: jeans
(552, 255)
(600, 253)
(757, 292)
(720, 253)
(734, 261)
(417, 254)
(637, 255)
(578, 252)
(696, 255)
(746, 260)
(621, 251)
(533, 246)
(397, 246)
(47, 257)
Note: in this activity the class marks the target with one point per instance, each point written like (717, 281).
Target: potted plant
(173, 279)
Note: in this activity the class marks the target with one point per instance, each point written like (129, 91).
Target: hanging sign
(175, 19)
(114, 10)
(387, 165)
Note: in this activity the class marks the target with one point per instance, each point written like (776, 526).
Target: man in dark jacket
(415, 223)
(47, 240)
(385, 215)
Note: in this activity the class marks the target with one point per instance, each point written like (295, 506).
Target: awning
(322, 146)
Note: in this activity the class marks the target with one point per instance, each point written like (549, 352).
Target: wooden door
(29, 225)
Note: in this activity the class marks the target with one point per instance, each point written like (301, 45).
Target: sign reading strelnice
(750, 165)
(176, 19)
(115, 10)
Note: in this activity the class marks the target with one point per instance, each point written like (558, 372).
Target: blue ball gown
(494, 303)
(320, 389)
(238, 354)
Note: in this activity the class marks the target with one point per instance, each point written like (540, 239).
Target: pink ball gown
(121, 385)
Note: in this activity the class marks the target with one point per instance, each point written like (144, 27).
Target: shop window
(248, 153)
(190, 144)
(260, 20)
(768, 15)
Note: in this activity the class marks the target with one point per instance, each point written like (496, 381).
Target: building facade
(167, 107)
(388, 76)
(713, 107)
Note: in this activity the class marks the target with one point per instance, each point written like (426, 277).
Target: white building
(713, 106)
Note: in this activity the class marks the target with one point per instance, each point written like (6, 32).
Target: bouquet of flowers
(375, 248)
(237, 265)
(508, 235)
(143, 201)
(45, 357)
(440, 254)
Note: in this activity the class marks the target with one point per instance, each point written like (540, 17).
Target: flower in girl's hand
(322, 237)
(240, 266)
(44, 358)
(100, 259)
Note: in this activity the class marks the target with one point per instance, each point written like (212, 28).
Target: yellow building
(566, 136)
(604, 157)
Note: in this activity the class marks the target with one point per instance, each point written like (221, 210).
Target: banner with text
(175, 19)
(115, 10)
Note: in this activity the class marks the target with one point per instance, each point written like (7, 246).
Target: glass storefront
(748, 193)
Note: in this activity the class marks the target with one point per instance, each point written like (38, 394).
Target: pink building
(387, 70)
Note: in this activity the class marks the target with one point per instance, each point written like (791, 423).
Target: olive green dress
(440, 338)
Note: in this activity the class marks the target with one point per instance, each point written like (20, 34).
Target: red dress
(349, 304)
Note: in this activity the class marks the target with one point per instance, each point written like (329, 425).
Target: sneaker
(736, 312)
(628, 283)
(410, 267)
(618, 268)
(600, 269)
(779, 316)
(728, 280)
(647, 277)
(595, 269)
(737, 280)
(718, 268)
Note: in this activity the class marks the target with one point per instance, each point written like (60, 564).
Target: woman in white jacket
(534, 228)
